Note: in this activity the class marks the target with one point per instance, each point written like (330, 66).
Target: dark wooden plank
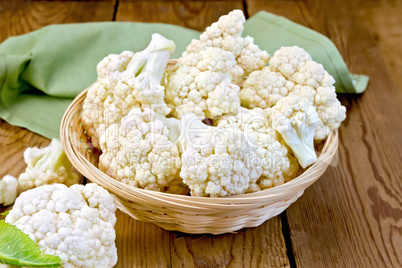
(141, 244)
(19, 17)
(352, 216)
(254, 247)
(191, 14)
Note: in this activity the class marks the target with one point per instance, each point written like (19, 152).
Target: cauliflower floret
(201, 85)
(109, 70)
(312, 74)
(291, 71)
(76, 223)
(264, 88)
(287, 60)
(138, 152)
(114, 64)
(47, 166)
(278, 165)
(226, 34)
(8, 190)
(215, 161)
(295, 118)
(126, 81)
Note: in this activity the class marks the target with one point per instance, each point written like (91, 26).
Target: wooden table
(351, 217)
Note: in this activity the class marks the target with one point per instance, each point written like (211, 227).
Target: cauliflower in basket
(214, 161)
(138, 152)
(291, 71)
(109, 69)
(125, 81)
(201, 84)
(226, 34)
(278, 165)
(76, 223)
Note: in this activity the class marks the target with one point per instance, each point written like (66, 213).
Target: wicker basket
(188, 214)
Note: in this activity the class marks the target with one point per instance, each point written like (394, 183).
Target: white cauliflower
(47, 166)
(126, 81)
(76, 223)
(8, 190)
(262, 89)
(109, 69)
(295, 118)
(278, 165)
(329, 109)
(137, 151)
(287, 60)
(201, 85)
(291, 71)
(214, 161)
(226, 34)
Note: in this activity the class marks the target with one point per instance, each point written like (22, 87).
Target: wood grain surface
(351, 217)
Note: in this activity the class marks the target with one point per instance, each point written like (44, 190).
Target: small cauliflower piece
(291, 71)
(138, 152)
(8, 190)
(47, 166)
(125, 81)
(263, 89)
(201, 85)
(288, 60)
(109, 70)
(329, 109)
(76, 223)
(278, 165)
(295, 118)
(226, 34)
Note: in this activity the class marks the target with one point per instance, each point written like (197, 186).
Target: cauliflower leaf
(16, 248)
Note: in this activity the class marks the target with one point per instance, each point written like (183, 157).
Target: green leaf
(5, 213)
(16, 248)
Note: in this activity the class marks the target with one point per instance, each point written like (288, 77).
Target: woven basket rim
(278, 192)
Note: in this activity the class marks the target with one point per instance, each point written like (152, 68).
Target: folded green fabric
(42, 71)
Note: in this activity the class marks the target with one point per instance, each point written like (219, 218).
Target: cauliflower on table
(8, 190)
(76, 223)
(46, 166)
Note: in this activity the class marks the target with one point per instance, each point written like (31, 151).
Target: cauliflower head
(278, 165)
(263, 88)
(47, 165)
(125, 81)
(201, 85)
(137, 151)
(296, 119)
(226, 34)
(76, 223)
(8, 190)
(291, 71)
(109, 70)
(215, 161)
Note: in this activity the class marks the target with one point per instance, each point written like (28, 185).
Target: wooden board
(352, 217)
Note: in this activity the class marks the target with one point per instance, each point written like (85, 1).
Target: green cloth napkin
(42, 71)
